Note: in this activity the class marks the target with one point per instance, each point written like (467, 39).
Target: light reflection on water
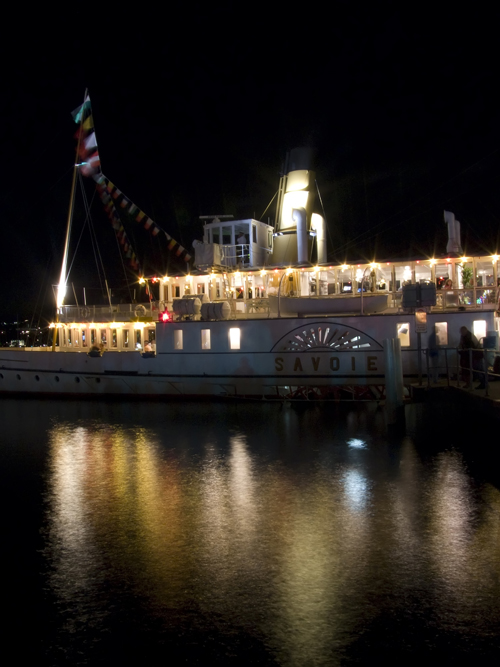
(307, 534)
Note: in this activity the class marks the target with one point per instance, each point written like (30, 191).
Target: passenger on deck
(467, 340)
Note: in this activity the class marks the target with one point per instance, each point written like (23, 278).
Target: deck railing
(458, 366)
(109, 313)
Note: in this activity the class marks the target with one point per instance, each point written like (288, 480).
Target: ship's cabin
(234, 243)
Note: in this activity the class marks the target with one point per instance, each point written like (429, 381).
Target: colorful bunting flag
(88, 154)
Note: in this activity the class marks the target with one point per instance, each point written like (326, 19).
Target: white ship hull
(282, 357)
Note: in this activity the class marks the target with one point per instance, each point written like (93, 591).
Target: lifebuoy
(84, 312)
(140, 310)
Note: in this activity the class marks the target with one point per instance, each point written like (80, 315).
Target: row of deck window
(129, 339)
(126, 339)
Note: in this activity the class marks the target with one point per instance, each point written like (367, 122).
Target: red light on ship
(164, 317)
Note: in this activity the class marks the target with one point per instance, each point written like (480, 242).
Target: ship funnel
(454, 246)
(296, 194)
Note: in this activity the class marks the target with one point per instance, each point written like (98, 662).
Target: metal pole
(419, 347)
(485, 366)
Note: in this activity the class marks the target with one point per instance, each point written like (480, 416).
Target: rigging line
(324, 214)
(274, 197)
(120, 254)
(95, 247)
(87, 220)
(463, 171)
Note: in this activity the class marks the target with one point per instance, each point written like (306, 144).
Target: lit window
(84, 338)
(234, 339)
(441, 329)
(93, 337)
(104, 337)
(76, 337)
(404, 333)
(114, 341)
(125, 334)
(178, 344)
(69, 336)
(205, 339)
(479, 329)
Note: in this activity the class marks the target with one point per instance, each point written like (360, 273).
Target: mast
(61, 287)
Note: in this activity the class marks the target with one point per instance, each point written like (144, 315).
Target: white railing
(107, 313)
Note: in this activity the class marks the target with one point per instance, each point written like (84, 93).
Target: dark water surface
(199, 533)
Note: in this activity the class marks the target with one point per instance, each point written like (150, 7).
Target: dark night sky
(195, 109)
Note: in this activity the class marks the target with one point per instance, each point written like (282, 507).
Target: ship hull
(279, 357)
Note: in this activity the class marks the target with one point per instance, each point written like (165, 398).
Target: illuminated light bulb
(141, 281)
(166, 279)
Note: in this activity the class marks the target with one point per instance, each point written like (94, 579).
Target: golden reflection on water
(292, 552)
